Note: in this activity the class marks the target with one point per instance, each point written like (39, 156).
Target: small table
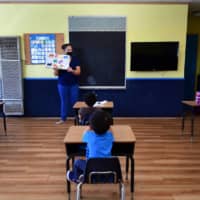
(124, 145)
(192, 105)
(107, 106)
(4, 117)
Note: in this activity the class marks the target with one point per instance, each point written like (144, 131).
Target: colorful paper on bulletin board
(40, 46)
(57, 61)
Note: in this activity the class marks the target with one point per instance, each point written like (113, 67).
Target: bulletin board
(37, 45)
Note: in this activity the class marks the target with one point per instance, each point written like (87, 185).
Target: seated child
(85, 112)
(99, 141)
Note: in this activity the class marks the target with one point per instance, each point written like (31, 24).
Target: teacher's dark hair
(64, 46)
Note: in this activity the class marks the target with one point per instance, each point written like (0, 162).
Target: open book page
(99, 103)
(57, 61)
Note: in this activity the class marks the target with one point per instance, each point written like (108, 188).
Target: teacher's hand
(76, 71)
(55, 71)
(69, 69)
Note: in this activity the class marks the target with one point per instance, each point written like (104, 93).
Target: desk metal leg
(67, 168)
(183, 122)
(4, 123)
(192, 124)
(132, 173)
(76, 122)
(127, 166)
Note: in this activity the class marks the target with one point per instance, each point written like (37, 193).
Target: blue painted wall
(142, 98)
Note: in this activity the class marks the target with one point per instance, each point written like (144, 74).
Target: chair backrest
(86, 116)
(103, 170)
(85, 120)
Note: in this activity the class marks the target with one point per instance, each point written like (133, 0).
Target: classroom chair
(83, 122)
(102, 170)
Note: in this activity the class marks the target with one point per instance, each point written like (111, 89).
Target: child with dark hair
(85, 112)
(99, 141)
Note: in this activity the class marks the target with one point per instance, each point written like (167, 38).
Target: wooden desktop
(124, 145)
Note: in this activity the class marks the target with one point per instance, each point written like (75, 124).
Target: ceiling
(194, 5)
(194, 8)
(192, 2)
(106, 1)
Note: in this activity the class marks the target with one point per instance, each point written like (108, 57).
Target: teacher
(68, 83)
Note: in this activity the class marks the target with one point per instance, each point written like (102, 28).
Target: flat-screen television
(154, 56)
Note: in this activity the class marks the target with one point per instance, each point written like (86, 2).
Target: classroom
(154, 102)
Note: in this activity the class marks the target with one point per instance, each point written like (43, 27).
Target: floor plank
(32, 161)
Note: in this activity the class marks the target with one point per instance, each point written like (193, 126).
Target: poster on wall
(57, 61)
(40, 46)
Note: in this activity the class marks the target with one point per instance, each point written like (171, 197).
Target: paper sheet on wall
(57, 61)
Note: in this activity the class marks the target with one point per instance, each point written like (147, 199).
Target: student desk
(192, 105)
(124, 145)
(4, 116)
(107, 106)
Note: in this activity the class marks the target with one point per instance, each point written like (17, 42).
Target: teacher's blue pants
(68, 96)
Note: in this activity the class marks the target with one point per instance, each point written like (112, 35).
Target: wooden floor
(32, 161)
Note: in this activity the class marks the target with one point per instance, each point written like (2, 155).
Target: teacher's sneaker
(60, 122)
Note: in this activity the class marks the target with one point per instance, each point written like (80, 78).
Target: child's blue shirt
(98, 145)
